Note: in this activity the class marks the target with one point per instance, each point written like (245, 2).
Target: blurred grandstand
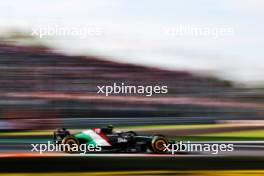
(38, 83)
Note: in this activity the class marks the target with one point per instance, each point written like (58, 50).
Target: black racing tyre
(158, 144)
(71, 144)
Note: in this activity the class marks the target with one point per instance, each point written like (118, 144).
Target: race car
(111, 141)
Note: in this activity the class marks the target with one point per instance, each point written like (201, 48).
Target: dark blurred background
(41, 89)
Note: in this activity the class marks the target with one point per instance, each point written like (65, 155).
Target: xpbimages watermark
(199, 31)
(58, 147)
(130, 89)
(57, 30)
(197, 147)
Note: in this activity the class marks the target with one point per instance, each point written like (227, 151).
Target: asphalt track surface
(17, 158)
(242, 148)
(74, 163)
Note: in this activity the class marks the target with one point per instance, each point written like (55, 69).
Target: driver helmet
(110, 128)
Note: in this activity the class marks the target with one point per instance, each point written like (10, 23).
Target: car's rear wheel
(71, 144)
(158, 144)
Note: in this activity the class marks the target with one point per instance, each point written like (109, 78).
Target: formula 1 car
(110, 141)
